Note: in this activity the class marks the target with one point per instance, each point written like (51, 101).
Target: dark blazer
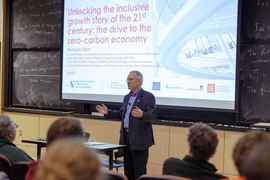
(191, 168)
(13, 153)
(140, 129)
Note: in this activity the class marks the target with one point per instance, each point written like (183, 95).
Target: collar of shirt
(136, 93)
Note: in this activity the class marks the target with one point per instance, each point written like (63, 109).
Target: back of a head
(203, 141)
(69, 159)
(246, 144)
(65, 127)
(257, 163)
(6, 126)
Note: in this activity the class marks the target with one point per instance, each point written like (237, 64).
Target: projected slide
(186, 50)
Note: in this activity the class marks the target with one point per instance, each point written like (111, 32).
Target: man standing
(137, 113)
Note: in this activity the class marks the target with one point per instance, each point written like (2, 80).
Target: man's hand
(137, 112)
(102, 109)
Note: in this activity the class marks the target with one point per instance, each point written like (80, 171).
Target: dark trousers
(135, 161)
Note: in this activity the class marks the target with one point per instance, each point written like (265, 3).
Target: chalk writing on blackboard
(255, 21)
(36, 23)
(37, 78)
(255, 89)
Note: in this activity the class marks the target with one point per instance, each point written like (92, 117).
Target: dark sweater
(191, 168)
(12, 152)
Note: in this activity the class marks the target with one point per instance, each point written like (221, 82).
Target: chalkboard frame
(255, 31)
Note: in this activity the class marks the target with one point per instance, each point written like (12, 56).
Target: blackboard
(255, 82)
(34, 55)
(255, 23)
(255, 61)
(36, 79)
(36, 23)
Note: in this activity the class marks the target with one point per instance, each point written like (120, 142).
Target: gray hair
(6, 126)
(138, 75)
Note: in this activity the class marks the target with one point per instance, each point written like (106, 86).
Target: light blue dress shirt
(128, 109)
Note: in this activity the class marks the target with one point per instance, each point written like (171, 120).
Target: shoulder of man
(144, 92)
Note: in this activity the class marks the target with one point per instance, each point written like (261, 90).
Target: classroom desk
(106, 148)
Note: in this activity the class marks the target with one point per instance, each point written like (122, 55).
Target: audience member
(61, 128)
(65, 127)
(202, 141)
(7, 136)
(68, 159)
(245, 145)
(257, 163)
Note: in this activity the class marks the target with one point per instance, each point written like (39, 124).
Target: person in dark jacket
(202, 142)
(137, 114)
(7, 136)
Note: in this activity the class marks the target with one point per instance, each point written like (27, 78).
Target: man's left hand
(137, 112)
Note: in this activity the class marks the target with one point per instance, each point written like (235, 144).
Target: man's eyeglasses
(16, 125)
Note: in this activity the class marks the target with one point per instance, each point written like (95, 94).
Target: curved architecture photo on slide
(197, 42)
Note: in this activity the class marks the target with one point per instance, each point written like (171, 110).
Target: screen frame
(173, 111)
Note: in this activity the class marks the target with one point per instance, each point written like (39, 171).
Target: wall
(1, 16)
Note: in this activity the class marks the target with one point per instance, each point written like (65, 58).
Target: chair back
(18, 170)
(161, 177)
(5, 164)
(119, 153)
(116, 163)
(86, 136)
(112, 175)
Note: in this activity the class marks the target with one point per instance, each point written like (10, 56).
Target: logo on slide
(211, 88)
(156, 86)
